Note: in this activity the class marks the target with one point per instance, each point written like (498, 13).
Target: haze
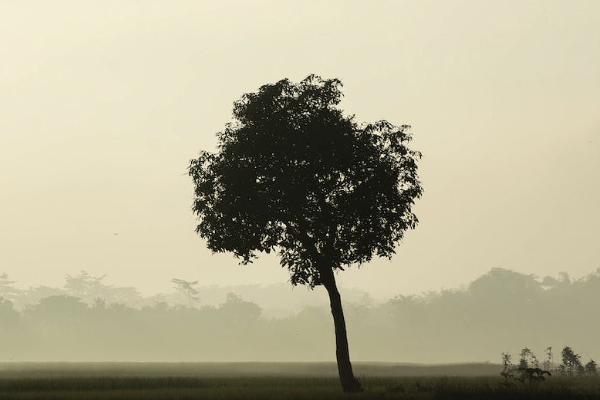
(104, 103)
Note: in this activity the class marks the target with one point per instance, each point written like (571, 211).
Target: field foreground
(245, 381)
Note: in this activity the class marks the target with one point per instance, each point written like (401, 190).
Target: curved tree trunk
(347, 379)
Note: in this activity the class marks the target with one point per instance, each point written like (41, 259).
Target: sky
(103, 104)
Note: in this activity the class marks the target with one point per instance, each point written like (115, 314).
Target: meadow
(245, 381)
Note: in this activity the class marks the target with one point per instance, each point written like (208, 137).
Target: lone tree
(296, 176)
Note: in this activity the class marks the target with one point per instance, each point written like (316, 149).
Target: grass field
(245, 381)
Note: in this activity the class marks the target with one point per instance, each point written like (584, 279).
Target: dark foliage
(528, 370)
(591, 368)
(571, 362)
(293, 174)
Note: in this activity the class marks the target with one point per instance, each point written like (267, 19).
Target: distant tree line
(274, 299)
(497, 312)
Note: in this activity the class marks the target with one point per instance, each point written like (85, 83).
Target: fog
(104, 104)
(501, 311)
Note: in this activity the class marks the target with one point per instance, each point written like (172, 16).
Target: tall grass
(282, 387)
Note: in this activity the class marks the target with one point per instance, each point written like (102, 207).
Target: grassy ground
(200, 381)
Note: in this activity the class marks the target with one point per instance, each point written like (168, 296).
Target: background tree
(507, 366)
(294, 175)
(549, 361)
(239, 311)
(89, 288)
(85, 285)
(187, 289)
(591, 368)
(8, 315)
(571, 362)
(7, 289)
(528, 359)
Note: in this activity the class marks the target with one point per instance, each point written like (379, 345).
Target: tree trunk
(347, 379)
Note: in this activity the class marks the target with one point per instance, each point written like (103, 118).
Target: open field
(241, 381)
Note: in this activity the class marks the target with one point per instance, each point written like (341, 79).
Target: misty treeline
(274, 299)
(496, 313)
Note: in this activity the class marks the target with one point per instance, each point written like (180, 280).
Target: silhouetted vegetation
(571, 364)
(528, 370)
(591, 368)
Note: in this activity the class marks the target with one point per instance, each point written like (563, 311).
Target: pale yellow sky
(102, 104)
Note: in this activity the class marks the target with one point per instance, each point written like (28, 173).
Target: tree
(507, 367)
(89, 288)
(571, 362)
(529, 367)
(55, 310)
(7, 290)
(85, 285)
(528, 359)
(239, 311)
(549, 361)
(591, 368)
(8, 315)
(292, 174)
(187, 289)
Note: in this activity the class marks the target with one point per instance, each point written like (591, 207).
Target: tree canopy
(295, 175)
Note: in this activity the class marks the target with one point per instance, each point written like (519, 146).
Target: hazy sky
(103, 103)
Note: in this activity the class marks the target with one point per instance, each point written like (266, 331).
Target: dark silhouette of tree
(528, 370)
(591, 368)
(528, 359)
(549, 361)
(529, 367)
(507, 367)
(571, 362)
(294, 175)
